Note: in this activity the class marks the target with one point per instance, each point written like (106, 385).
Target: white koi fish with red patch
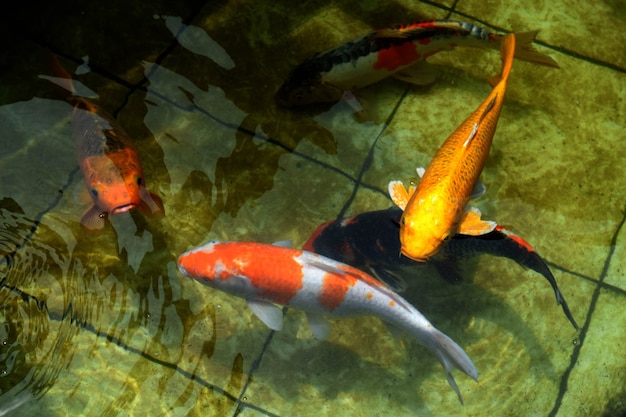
(398, 51)
(265, 275)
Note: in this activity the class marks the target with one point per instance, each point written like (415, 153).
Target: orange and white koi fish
(108, 160)
(110, 166)
(436, 209)
(398, 51)
(265, 275)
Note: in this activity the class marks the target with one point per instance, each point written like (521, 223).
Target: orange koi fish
(435, 210)
(110, 166)
(398, 51)
(265, 275)
(107, 158)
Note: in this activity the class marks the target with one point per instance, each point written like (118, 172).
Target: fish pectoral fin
(331, 269)
(93, 219)
(318, 325)
(352, 101)
(421, 73)
(473, 225)
(151, 203)
(396, 332)
(479, 189)
(268, 313)
(399, 194)
(283, 243)
(448, 268)
(81, 194)
(394, 281)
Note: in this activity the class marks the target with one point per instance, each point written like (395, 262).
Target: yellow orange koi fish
(436, 209)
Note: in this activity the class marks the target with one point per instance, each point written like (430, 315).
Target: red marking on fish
(252, 261)
(308, 246)
(517, 239)
(334, 290)
(393, 58)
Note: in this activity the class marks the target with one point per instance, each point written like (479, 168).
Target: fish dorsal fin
(473, 225)
(471, 136)
(318, 262)
(415, 29)
(390, 278)
(268, 313)
(476, 126)
(349, 271)
(284, 243)
(399, 194)
(318, 325)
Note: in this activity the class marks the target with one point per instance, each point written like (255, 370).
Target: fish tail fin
(507, 51)
(527, 52)
(451, 356)
(61, 77)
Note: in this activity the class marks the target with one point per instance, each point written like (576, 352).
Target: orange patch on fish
(252, 261)
(334, 289)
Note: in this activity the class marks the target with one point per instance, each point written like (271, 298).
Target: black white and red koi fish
(398, 51)
(370, 241)
(265, 275)
(108, 161)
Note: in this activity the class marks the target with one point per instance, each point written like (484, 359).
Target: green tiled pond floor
(103, 324)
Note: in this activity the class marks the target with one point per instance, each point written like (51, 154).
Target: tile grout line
(367, 162)
(8, 258)
(583, 332)
(609, 287)
(240, 404)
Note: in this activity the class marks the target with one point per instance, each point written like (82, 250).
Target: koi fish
(265, 275)
(398, 51)
(110, 166)
(435, 210)
(370, 242)
(107, 158)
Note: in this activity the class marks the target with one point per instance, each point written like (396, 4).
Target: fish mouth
(414, 258)
(123, 208)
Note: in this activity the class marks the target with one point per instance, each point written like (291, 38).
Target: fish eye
(139, 181)
(94, 193)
